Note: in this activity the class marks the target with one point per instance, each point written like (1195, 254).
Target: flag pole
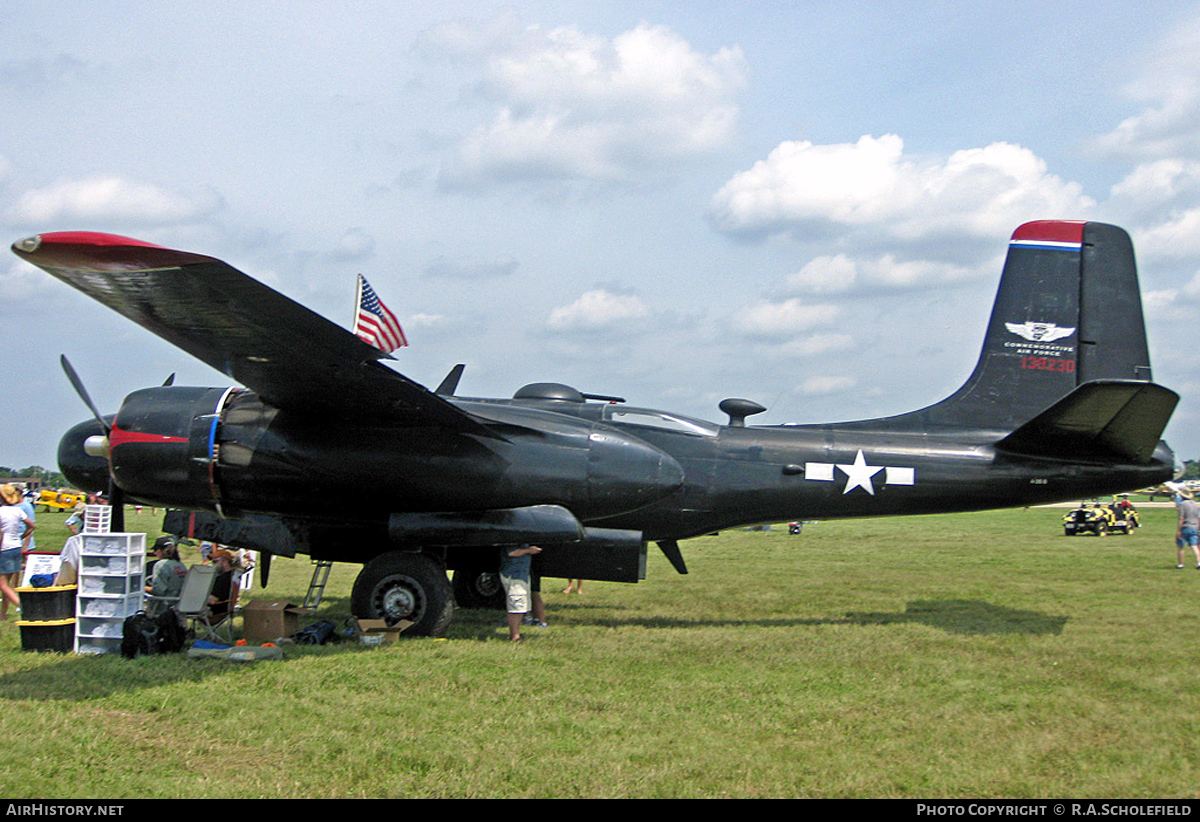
(357, 303)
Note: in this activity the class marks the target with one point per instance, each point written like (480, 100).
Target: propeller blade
(265, 562)
(82, 392)
(170, 380)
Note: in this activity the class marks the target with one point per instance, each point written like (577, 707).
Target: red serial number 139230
(1048, 364)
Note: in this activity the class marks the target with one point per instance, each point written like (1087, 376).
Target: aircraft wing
(292, 357)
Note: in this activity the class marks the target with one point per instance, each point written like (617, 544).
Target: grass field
(974, 655)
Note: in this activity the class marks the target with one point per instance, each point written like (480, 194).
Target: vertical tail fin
(1068, 311)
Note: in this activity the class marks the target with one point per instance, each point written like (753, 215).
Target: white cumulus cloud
(1174, 236)
(354, 244)
(1169, 88)
(871, 185)
(1159, 183)
(597, 309)
(783, 320)
(817, 386)
(841, 273)
(569, 105)
(110, 199)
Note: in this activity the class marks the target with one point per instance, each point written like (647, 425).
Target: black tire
(478, 588)
(402, 585)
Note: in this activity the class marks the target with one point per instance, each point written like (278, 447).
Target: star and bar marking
(859, 474)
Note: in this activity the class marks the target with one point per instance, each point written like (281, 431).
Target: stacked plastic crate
(111, 584)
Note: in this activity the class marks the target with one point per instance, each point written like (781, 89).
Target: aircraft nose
(626, 473)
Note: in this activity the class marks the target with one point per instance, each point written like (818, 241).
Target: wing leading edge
(292, 357)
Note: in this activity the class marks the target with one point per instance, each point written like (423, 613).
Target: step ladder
(316, 588)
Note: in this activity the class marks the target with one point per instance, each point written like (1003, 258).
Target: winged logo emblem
(1039, 332)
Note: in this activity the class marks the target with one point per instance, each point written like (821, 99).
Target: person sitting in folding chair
(166, 582)
(204, 605)
(224, 594)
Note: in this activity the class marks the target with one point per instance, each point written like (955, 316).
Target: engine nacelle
(161, 445)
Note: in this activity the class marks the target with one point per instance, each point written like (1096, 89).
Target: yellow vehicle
(60, 500)
(1125, 517)
(1089, 518)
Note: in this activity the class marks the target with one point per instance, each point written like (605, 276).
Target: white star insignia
(859, 474)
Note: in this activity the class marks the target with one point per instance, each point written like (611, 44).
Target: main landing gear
(401, 585)
(478, 587)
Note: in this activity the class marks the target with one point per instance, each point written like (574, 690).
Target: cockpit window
(658, 419)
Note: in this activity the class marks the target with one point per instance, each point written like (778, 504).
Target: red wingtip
(94, 250)
(96, 238)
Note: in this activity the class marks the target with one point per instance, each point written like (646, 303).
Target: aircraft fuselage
(667, 477)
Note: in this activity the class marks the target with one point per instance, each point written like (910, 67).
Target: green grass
(973, 655)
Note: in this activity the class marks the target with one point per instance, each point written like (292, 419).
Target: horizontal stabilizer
(1099, 420)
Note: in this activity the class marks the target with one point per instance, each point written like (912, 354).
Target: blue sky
(803, 204)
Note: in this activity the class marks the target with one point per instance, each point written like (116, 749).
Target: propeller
(77, 383)
(116, 497)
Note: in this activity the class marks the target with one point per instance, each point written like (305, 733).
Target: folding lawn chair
(158, 605)
(194, 607)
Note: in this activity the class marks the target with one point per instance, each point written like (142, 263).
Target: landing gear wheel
(401, 585)
(478, 588)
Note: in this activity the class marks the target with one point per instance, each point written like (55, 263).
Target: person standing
(1187, 532)
(515, 574)
(16, 530)
(27, 506)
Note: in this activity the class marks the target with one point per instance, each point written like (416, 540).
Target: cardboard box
(266, 620)
(377, 631)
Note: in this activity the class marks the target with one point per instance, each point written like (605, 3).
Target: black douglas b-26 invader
(1060, 406)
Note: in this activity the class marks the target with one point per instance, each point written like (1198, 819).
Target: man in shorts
(515, 575)
(1187, 534)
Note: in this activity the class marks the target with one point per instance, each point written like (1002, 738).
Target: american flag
(374, 323)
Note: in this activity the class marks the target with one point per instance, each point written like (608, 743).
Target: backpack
(318, 634)
(171, 633)
(142, 634)
(139, 635)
